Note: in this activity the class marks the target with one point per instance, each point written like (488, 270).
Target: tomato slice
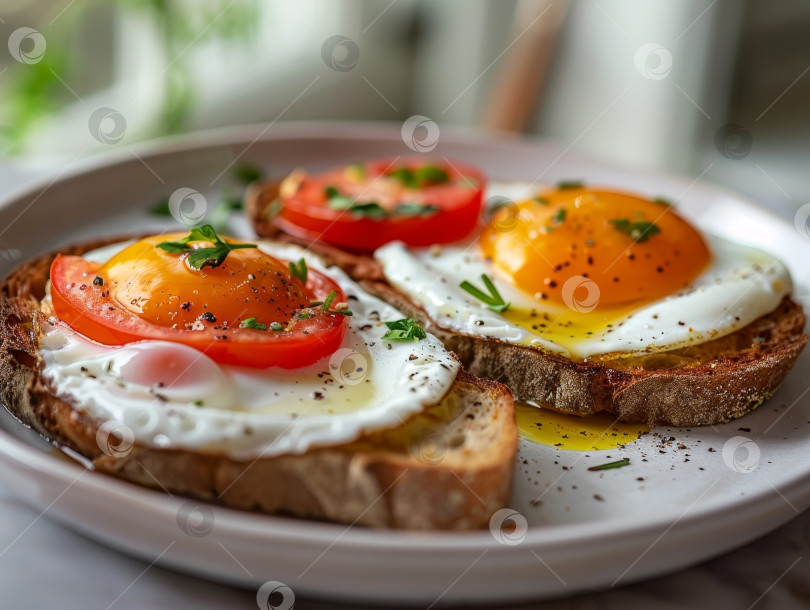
(364, 206)
(89, 308)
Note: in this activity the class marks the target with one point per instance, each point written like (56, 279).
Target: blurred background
(716, 89)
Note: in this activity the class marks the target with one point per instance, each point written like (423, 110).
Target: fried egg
(588, 272)
(173, 396)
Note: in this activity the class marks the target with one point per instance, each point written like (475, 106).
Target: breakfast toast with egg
(703, 384)
(449, 467)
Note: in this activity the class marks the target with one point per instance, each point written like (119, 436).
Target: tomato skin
(89, 310)
(307, 215)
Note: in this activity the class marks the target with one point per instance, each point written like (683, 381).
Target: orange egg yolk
(163, 289)
(601, 235)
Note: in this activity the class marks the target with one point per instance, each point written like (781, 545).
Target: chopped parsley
(493, 300)
(299, 270)
(664, 201)
(570, 184)
(640, 230)
(328, 301)
(557, 220)
(415, 209)
(611, 465)
(406, 329)
(252, 323)
(276, 326)
(202, 257)
(246, 173)
(421, 177)
(325, 305)
(541, 201)
(161, 208)
(372, 209)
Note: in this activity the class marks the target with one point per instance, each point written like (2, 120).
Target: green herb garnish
(432, 174)
(252, 323)
(421, 177)
(415, 209)
(541, 201)
(198, 403)
(202, 257)
(339, 202)
(640, 230)
(494, 300)
(611, 465)
(299, 270)
(406, 329)
(570, 184)
(336, 201)
(246, 173)
(327, 303)
(664, 201)
(161, 208)
(276, 326)
(558, 219)
(371, 209)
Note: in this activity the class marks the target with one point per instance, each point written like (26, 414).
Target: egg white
(174, 396)
(740, 285)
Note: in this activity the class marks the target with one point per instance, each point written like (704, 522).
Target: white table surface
(44, 565)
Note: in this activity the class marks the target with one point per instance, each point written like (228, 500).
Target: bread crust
(383, 479)
(728, 386)
(712, 383)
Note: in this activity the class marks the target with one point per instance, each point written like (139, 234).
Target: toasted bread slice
(701, 385)
(450, 467)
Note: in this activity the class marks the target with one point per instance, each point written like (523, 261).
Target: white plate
(686, 509)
